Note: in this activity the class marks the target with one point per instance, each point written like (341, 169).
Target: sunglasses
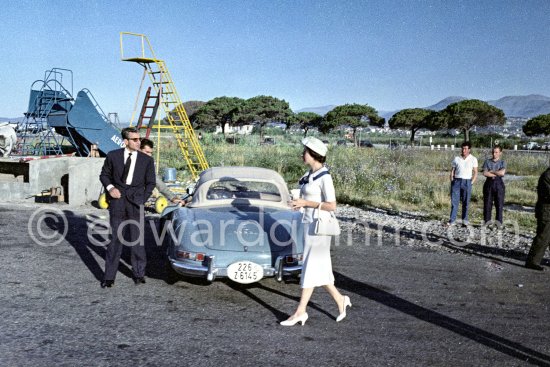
(134, 139)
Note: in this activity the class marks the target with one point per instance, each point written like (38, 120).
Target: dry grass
(403, 180)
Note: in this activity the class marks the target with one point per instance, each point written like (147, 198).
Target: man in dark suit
(128, 176)
(542, 213)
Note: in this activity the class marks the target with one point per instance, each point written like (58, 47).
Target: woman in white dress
(317, 191)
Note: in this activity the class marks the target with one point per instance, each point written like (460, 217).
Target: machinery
(176, 120)
(54, 115)
(8, 139)
(162, 94)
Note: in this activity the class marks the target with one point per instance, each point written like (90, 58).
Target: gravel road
(420, 298)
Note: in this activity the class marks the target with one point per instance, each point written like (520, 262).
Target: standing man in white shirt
(463, 176)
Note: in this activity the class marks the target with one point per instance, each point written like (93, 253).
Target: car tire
(170, 275)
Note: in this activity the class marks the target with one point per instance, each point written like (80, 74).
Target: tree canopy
(472, 112)
(413, 119)
(537, 125)
(219, 112)
(264, 109)
(191, 107)
(306, 120)
(353, 115)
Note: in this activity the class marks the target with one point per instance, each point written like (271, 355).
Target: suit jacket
(143, 180)
(542, 208)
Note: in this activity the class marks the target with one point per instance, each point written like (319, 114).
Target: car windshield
(243, 189)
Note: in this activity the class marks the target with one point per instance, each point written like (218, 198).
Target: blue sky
(388, 54)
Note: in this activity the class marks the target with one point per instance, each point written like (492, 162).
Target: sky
(387, 54)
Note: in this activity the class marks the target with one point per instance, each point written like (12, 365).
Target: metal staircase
(176, 119)
(57, 123)
(48, 100)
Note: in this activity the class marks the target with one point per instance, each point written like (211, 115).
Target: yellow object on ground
(160, 204)
(102, 201)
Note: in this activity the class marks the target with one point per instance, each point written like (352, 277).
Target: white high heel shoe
(294, 321)
(347, 303)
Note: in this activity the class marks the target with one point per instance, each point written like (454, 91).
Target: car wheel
(160, 204)
(170, 275)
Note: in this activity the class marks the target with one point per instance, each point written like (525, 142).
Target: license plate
(245, 272)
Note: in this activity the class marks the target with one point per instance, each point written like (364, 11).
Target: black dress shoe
(139, 280)
(107, 283)
(534, 267)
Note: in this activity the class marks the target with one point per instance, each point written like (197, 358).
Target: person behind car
(493, 188)
(317, 191)
(463, 176)
(147, 147)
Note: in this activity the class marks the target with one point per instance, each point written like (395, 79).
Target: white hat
(316, 145)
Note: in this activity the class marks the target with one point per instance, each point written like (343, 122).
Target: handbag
(326, 223)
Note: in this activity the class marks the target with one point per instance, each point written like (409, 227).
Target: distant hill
(513, 106)
(11, 119)
(322, 110)
(436, 107)
(523, 106)
(444, 103)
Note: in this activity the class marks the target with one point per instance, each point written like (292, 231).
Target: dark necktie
(126, 167)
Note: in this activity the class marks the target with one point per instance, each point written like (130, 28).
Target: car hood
(247, 229)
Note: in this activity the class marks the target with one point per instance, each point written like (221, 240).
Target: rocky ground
(416, 230)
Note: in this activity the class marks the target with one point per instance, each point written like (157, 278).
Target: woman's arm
(301, 203)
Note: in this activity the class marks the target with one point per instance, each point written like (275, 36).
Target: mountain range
(11, 119)
(513, 106)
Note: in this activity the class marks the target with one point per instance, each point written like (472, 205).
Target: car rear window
(243, 189)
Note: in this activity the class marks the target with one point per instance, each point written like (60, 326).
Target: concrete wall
(84, 185)
(79, 177)
(15, 191)
(46, 173)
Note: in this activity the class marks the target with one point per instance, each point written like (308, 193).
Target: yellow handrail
(143, 38)
(179, 124)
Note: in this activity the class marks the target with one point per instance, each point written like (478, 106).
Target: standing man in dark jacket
(493, 189)
(128, 176)
(542, 213)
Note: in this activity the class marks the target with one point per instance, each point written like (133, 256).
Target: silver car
(238, 225)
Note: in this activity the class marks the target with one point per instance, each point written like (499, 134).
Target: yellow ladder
(176, 117)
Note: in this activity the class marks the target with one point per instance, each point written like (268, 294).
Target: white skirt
(317, 266)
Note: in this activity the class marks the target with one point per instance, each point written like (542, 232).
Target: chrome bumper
(210, 271)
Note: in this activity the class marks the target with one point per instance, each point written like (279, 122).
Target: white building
(240, 130)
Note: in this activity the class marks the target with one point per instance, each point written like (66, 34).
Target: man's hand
(115, 194)
(178, 201)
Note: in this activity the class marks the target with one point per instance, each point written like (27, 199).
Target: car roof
(239, 173)
(215, 173)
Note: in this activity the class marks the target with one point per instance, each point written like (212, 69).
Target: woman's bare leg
(304, 300)
(336, 295)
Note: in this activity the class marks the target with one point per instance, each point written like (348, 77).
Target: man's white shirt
(464, 166)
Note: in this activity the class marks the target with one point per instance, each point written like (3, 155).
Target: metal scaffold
(56, 123)
(48, 100)
(176, 119)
